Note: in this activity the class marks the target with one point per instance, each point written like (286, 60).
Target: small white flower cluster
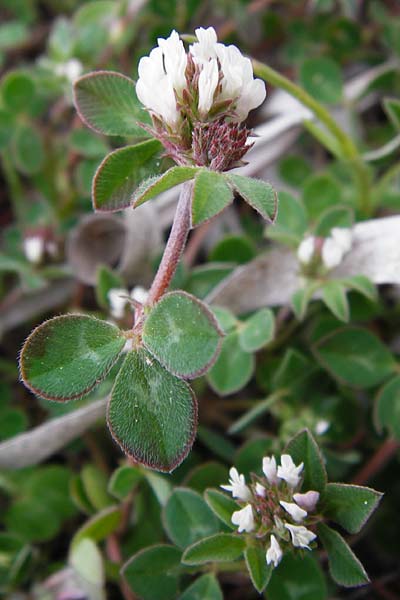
(331, 249)
(274, 507)
(34, 249)
(71, 70)
(223, 74)
(199, 99)
(119, 299)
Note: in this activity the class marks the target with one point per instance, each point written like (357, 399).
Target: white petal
(288, 470)
(297, 513)
(269, 469)
(208, 82)
(34, 249)
(175, 60)
(308, 501)
(260, 490)
(237, 486)
(332, 253)
(117, 302)
(301, 537)
(306, 249)
(343, 237)
(321, 427)
(244, 519)
(204, 50)
(274, 552)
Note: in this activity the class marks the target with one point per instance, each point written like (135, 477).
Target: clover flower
(335, 247)
(119, 298)
(244, 519)
(328, 251)
(305, 251)
(297, 513)
(269, 469)
(272, 507)
(237, 486)
(198, 99)
(308, 501)
(274, 552)
(301, 536)
(34, 248)
(288, 470)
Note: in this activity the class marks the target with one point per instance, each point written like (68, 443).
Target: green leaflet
(183, 334)
(66, 357)
(152, 414)
(106, 102)
(121, 172)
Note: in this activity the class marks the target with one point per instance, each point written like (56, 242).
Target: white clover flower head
(198, 99)
(322, 427)
(269, 469)
(237, 486)
(71, 70)
(308, 501)
(34, 247)
(274, 552)
(140, 294)
(261, 490)
(244, 519)
(118, 301)
(343, 237)
(298, 514)
(306, 249)
(301, 536)
(332, 253)
(288, 470)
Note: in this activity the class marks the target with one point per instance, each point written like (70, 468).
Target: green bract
(303, 448)
(183, 334)
(259, 194)
(152, 187)
(152, 414)
(211, 194)
(121, 172)
(66, 357)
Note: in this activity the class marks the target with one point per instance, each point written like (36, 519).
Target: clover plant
(267, 523)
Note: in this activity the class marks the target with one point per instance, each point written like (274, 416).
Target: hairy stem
(348, 148)
(175, 245)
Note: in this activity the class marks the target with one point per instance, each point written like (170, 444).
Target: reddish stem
(377, 461)
(174, 248)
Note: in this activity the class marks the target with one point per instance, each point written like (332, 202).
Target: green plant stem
(175, 245)
(348, 148)
(14, 188)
